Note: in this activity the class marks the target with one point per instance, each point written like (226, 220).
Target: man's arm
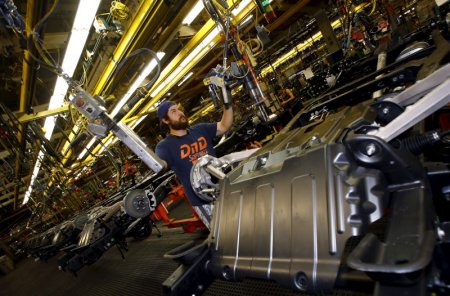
(160, 153)
(226, 122)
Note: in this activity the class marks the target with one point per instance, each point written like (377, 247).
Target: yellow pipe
(163, 76)
(143, 10)
(165, 73)
(26, 75)
(168, 72)
(42, 114)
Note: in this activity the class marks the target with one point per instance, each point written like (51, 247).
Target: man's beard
(179, 124)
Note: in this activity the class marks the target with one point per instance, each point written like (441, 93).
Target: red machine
(175, 196)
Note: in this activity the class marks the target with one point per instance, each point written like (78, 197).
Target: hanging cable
(119, 11)
(142, 90)
(127, 59)
(34, 37)
(374, 6)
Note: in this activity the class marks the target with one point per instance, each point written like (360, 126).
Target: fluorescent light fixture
(147, 70)
(246, 20)
(243, 4)
(195, 55)
(195, 11)
(85, 150)
(136, 123)
(105, 145)
(301, 46)
(80, 31)
(186, 77)
(158, 89)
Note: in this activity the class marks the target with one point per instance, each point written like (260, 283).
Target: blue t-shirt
(181, 153)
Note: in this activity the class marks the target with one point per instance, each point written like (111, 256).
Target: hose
(418, 144)
(119, 11)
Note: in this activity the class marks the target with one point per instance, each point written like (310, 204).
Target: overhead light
(86, 149)
(80, 31)
(147, 70)
(158, 89)
(305, 44)
(105, 145)
(185, 78)
(136, 123)
(243, 4)
(195, 11)
(246, 21)
(196, 54)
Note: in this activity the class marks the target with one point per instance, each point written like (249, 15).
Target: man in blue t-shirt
(184, 145)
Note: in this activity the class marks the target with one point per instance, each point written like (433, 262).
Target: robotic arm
(93, 108)
(242, 68)
(218, 82)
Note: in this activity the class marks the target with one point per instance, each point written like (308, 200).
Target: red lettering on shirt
(202, 143)
(185, 150)
(195, 150)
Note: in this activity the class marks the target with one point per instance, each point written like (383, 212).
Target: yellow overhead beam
(125, 42)
(303, 45)
(179, 66)
(30, 117)
(141, 15)
(25, 87)
(183, 62)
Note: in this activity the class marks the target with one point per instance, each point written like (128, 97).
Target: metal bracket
(434, 100)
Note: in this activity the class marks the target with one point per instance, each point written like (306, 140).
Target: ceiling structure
(26, 85)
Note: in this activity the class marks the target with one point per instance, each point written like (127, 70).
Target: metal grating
(141, 273)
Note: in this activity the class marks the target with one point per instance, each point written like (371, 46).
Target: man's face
(176, 119)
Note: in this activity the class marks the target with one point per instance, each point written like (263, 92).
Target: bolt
(301, 281)
(394, 79)
(401, 76)
(385, 110)
(371, 149)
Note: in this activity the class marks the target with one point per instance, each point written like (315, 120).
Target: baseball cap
(163, 108)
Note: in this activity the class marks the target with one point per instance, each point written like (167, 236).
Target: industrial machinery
(339, 198)
(105, 227)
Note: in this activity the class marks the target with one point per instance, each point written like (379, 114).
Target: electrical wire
(214, 13)
(227, 31)
(35, 33)
(119, 11)
(51, 68)
(374, 6)
(126, 60)
(255, 50)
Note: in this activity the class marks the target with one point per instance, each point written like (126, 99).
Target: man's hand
(226, 122)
